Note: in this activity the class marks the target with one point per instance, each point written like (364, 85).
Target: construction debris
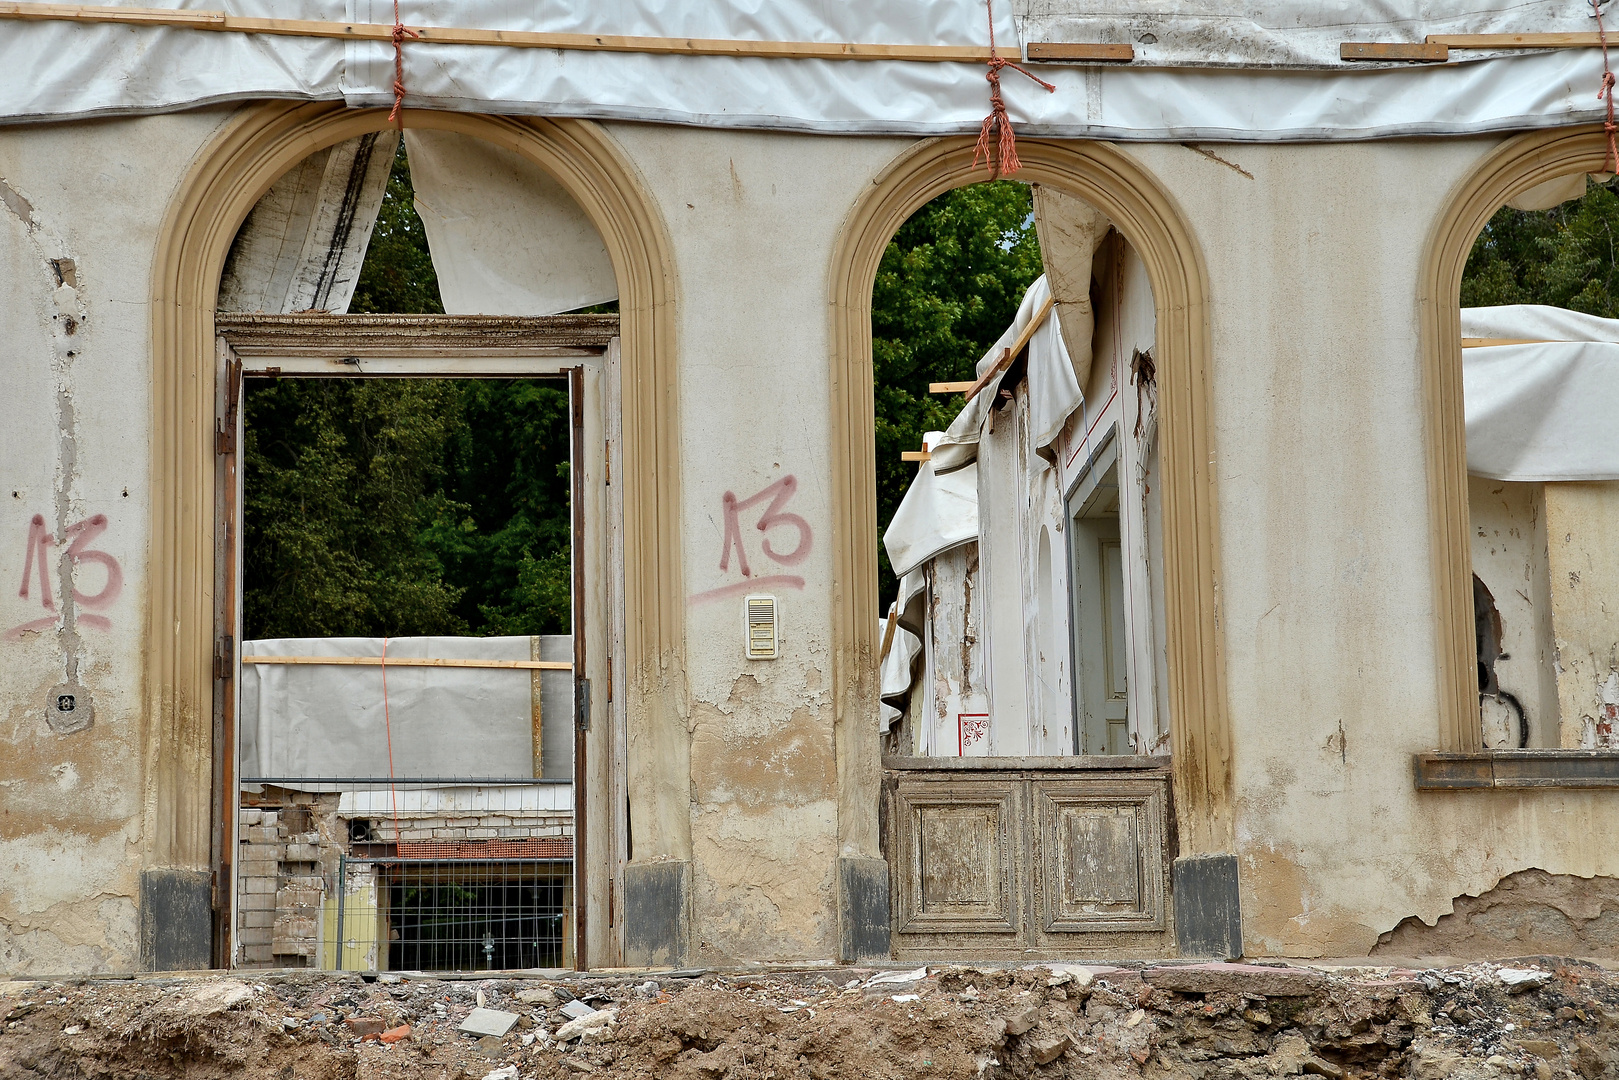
(1542, 1018)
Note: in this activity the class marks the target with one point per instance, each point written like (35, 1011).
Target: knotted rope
(1606, 93)
(997, 145)
(400, 33)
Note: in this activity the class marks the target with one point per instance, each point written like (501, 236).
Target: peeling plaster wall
(1314, 254)
(1509, 556)
(754, 218)
(1582, 528)
(80, 211)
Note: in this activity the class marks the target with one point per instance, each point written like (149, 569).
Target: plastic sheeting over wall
(1283, 33)
(315, 721)
(64, 70)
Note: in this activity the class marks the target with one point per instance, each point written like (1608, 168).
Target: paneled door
(1004, 861)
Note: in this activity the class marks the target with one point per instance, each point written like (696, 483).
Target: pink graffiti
(37, 565)
(778, 495)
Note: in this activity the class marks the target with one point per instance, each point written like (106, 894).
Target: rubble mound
(1540, 1018)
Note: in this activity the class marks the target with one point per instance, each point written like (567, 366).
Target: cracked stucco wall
(754, 218)
(1324, 575)
(80, 210)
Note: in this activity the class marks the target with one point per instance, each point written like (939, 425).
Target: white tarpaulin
(314, 721)
(68, 70)
(1054, 391)
(1284, 33)
(897, 671)
(937, 513)
(506, 239)
(302, 245)
(1544, 410)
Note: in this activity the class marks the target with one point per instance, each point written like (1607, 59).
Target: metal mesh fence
(418, 874)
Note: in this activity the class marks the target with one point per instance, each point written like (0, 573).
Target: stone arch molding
(223, 184)
(1511, 169)
(1147, 216)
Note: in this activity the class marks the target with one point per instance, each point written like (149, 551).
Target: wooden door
(992, 859)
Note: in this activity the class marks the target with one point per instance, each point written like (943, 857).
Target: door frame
(580, 350)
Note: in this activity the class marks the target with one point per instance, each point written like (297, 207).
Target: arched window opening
(1540, 364)
(1021, 559)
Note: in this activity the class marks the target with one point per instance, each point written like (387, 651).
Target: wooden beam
(950, 387)
(888, 635)
(521, 39)
(915, 455)
(1389, 50)
(1486, 342)
(1580, 40)
(1080, 51)
(1006, 357)
(411, 661)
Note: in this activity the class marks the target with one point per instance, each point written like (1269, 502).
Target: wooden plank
(1006, 357)
(950, 387)
(888, 633)
(536, 708)
(521, 39)
(1393, 50)
(1486, 342)
(1581, 40)
(411, 661)
(915, 455)
(1081, 51)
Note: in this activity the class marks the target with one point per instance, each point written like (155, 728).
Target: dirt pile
(1540, 1019)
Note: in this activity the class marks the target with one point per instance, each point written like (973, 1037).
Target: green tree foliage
(398, 277)
(949, 284)
(1566, 257)
(340, 478)
(405, 506)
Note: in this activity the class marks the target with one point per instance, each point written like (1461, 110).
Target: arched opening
(1109, 182)
(1520, 388)
(420, 503)
(183, 672)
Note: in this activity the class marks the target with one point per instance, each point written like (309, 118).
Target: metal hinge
(581, 704)
(225, 657)
(607, 457)
(224, 437)
(609, 679)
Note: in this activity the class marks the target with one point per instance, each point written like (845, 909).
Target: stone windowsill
(1517, 769)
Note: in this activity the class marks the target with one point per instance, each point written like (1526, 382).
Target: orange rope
(1606, 93)
(997, 144)
(400, 33)
(388, 730)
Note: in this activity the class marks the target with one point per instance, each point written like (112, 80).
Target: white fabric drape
(937, 513)
(1054, 390)
(1542, 410)
(506, 239)
(303, 243)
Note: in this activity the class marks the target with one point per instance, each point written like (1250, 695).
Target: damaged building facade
(1259, 602)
